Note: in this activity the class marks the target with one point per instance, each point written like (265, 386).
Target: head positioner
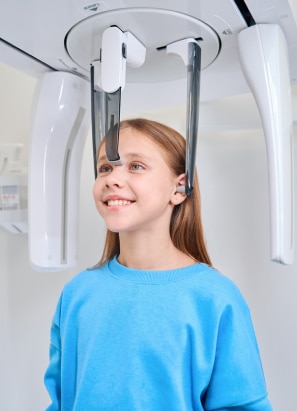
(108, 79)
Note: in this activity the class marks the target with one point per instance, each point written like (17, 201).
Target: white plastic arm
(118, 49)
(264, 59)
(60, 123)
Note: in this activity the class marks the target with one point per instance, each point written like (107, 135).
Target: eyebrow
(130, 156)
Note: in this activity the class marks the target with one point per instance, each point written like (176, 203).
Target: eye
(104, 168)
(136, 167)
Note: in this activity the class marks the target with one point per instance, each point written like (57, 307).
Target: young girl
(153, 327)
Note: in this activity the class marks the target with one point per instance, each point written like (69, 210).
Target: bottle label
(9, 197)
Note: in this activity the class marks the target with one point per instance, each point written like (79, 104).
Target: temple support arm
(190, 52)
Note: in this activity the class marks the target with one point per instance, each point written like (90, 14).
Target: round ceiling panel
(155, 29)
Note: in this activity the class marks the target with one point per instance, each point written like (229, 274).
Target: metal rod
(193, 97)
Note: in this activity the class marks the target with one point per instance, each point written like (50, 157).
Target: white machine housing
(246, 46)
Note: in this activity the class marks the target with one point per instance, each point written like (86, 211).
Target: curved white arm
(59, 128)
(264, 59)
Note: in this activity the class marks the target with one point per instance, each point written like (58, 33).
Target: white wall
(28, 298)
(233, 179)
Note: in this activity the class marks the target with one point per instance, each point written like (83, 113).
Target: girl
(153, 327)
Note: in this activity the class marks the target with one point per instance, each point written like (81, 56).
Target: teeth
(118, 202)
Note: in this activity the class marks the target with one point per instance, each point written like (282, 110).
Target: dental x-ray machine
(108, 43)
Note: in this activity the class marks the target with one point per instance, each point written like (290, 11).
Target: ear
(179, 194)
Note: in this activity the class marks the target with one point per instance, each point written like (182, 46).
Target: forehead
(132, 141)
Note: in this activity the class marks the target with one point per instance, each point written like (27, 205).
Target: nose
(115, 177)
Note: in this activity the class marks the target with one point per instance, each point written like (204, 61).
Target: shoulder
(218, 290)
(218, 283)
(79, 289)
(85, 280)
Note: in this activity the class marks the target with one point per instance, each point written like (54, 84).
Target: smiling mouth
(118, 202)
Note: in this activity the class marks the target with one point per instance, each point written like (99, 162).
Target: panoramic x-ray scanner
(88, 55)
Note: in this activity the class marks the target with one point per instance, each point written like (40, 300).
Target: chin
(114, 230)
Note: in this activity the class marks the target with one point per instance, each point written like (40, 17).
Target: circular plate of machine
(155, 29)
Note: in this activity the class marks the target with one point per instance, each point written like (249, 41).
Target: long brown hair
(186, 229)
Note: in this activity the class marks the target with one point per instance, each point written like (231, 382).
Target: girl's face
(138, 195)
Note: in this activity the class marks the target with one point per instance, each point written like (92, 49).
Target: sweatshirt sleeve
(52, 378)
(237, 381)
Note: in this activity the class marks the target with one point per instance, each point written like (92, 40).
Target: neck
(147, 253)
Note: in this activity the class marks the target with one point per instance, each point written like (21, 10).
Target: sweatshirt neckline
(124, 273)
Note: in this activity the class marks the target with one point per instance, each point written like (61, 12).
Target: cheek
(97, 198)
(97, 190)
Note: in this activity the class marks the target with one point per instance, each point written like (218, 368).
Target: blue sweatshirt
(135, 340)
